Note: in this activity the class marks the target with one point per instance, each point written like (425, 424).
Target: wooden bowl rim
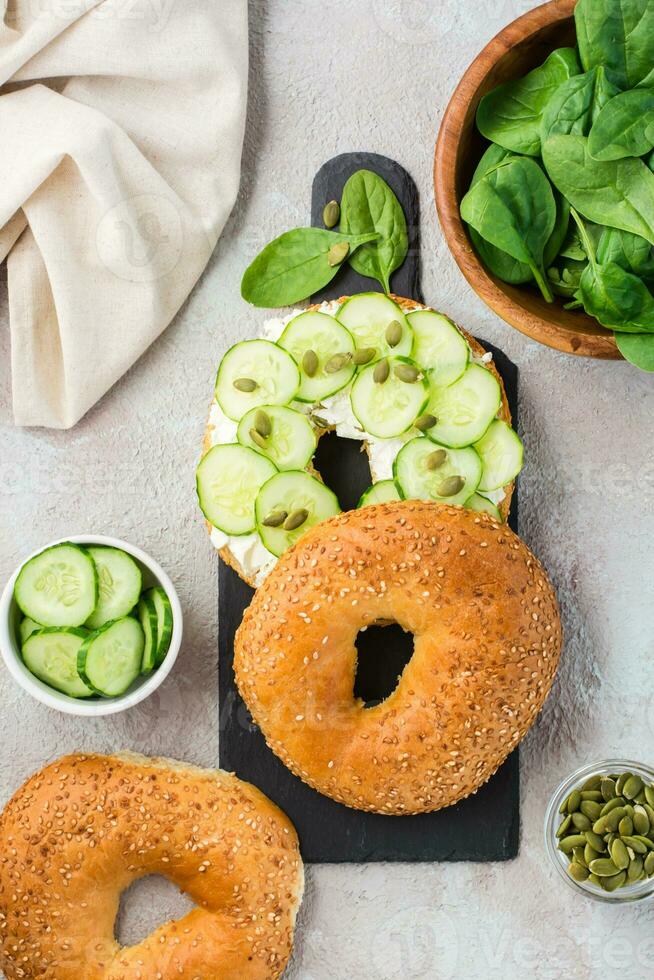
(530, 323)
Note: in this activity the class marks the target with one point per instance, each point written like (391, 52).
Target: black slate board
(485, 827)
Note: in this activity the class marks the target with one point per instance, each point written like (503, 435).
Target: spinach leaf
(638, 348)
(618, 193)
(565, 276)
(629, 251)
(624, 127)
(513, 208)
(511, 114)
(576, 104)
(618, 34)
(369, 205)
(295, 265)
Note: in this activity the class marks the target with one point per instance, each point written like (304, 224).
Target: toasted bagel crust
(504, 414)
(81, 830)
(487, 639)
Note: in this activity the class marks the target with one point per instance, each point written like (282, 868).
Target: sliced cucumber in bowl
(465, 409)
(288, 505)
(228, 481)
(500, 450)
(425, 471)
(51, 655)
(255, 372)
(164, 612)
(119, 584)
(282, 434)
(147, 614)
(383, 492)
(323, 349)
(439, 347)
(387, 408)
(58, 587)
(109, 660)
(368, 317)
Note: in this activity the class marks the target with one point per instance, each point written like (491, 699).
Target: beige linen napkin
(121, 128)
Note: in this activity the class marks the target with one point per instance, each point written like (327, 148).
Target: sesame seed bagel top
(81, 830)
(487, 640)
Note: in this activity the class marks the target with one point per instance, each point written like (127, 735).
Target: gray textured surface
(328, 76)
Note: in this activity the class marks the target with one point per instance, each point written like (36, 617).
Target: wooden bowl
(517, 49)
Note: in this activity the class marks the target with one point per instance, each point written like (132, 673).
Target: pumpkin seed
(591, 809)
(619, 854)
(578, 855)
(363, 355)
(436, 459)
(608, 788)
(310, 363)
(245, 384)
(570, 842)
(599, 827)
(337, 362)
(564, 827)
(603, 868)
(331, 214)
(262, 423)
(648, 864)
(650, 813)
(611, 884)
(632, 787)
(641, 820)
(590, 854)
(595, 841)
(393, 333)
(635, 869)
(275, 518)
(424, 422)
(614, 817)
(649, 844)
(258, 439)
(593, 782)
(338, 253)
(381, 372)
(593, 795)
(578, 871)
(320, 421)
(581, 821)
(574, 801)
(407, 373)
(626, 827)
(636, 844)
(594, 880)
(620, 781)
(450, 486)
(296, 519)
(649, 795)
(612, 804)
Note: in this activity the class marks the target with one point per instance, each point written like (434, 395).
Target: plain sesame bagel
(81, 830)
(487, 639)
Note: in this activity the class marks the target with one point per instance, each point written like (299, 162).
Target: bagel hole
(147, 904)
(343, 467)
(383, 651)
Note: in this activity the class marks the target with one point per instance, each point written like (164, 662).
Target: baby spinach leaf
(369, 205)
(565, 276)
(511, 114)
(618, 34)
(629, 251)
(618, 193)
(513, 208)
(638, 348)
(624, 127)
(576, 103)
(295, 265)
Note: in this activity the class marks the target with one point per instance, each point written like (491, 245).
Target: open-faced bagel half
(487, 640)
(407, 306)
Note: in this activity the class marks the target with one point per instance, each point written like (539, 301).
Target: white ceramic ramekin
(153, 574)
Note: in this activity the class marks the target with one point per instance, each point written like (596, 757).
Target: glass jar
(640, 890)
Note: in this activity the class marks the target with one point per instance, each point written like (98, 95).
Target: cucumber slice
(326, 337)
(466, 408)
(438, 347)
(367, 317)
(164, 622)
(416, 481)
(292, 440)
(59, 587)
(273, 371)
(483, 505)
(228, 481)
(288, 493)
(26, 627)
(109, 660)
(388, 409)
(148, 620)
(500, 450)
(379, 493)
(51, 655)
(119, 584)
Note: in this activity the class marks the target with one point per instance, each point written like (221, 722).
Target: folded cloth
(121, 129)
